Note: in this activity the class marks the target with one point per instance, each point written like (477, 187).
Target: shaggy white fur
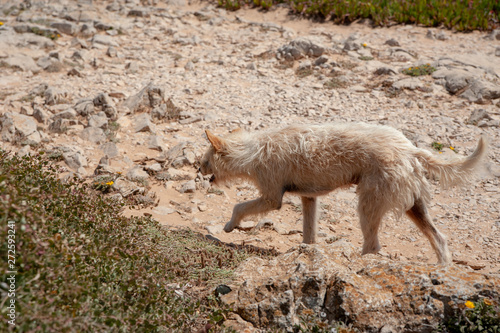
(313, 160)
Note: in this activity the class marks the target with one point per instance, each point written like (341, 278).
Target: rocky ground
(122, 91)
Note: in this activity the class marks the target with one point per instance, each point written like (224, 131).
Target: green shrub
(425, 69)
(474, 317)
(83, 267)
(462, 15)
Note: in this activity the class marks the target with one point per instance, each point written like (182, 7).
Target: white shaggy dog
(310, 161)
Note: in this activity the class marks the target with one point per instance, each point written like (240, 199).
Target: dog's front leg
(253, 207)
(310, 225)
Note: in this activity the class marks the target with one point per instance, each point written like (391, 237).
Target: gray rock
(33, 139)
(385, 71)
(26, 110)
(50, 64)
(75, 160)
(39, 90)
(126, 187)
(16, 127)
(139, 12)
(392, 42)
(351, 45)
(478, 115)
(84, 107)
(110, 149)
(113, 7)
(24, 151)
(321, 60)
(153, 168)
(66, 114)
(299, 48)
(67, 28)
(98, 120)
(188, 187)
(102, 26)
(497, 51)
(214, 229)
(143, 123)
(409, 83)
(457, 80)
(40, 115)
(111, 52)
(104, 40)
(155, 142)
(22, 62)
(159, 112)
(494, 35)
(305, 65)
(137, 173)
(190, 157)
(110, 111)
(88, 30)
(176, 175)
(102, 99)
(162, 210)
(60, 125)
(55, 96)
(190, 120)
(93, 134)
(148, 98)
(179, 162)
(441, 35)
(480, 90)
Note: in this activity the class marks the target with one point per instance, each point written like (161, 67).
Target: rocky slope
(122, 91)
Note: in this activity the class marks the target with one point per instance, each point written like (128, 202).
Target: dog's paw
(228, 227)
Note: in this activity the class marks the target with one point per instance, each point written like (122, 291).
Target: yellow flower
(1, 23)
(470, 305)
(109, 183)
(452, 148)
(409, 69)
(487, 302)
(364, 45)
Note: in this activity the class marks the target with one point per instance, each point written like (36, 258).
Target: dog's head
(218, 160)
(209, 163)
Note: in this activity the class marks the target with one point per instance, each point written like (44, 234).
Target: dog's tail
(457, 171)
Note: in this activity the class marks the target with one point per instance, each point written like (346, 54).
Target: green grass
(83, 267)
(462, 15)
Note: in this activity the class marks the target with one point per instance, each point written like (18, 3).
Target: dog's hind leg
(420, 216)
(310, 225)
(370, 212)
(252, 207)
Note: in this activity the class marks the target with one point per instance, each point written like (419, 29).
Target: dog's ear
(217, 143)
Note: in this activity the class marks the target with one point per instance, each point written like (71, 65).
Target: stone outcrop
(374, 294)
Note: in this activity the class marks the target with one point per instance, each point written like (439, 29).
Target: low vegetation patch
(472, 317)
(425, 69)
(83, 267)
(461, 15)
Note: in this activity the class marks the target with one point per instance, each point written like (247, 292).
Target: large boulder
(372, 293)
